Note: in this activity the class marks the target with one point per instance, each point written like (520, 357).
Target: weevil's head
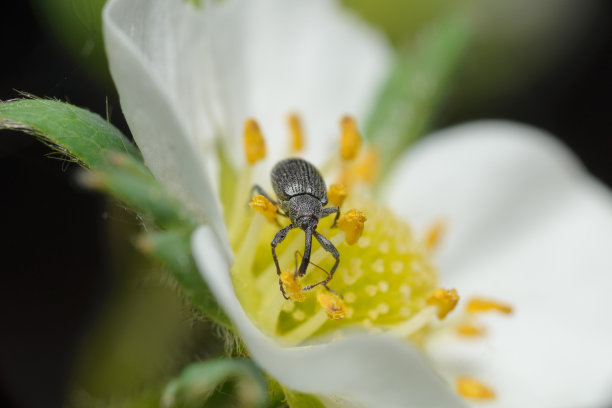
(307, 222)
(304, 211)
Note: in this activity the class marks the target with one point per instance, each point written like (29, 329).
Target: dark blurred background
(58, 259)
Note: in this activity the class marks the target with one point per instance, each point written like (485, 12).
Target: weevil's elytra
(301, 194)
(292, 177)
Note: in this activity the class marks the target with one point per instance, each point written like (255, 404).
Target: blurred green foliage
(77, 25)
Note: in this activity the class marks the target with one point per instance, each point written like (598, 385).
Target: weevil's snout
(307, 221)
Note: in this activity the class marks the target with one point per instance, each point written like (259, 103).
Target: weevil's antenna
(329, 247)
(298, 253)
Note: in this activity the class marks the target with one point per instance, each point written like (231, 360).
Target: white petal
(314, 58)
(529, 226)
(145, 43)
(236, 58)
(187, 75)
(373, 371)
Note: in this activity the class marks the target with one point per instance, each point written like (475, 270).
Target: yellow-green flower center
(384, 281)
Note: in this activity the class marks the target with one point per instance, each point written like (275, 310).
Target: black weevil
(301, 194)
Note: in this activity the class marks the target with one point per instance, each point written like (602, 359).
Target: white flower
(527, 224)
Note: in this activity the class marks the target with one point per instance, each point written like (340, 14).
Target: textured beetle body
(302, 194)
(292, 177)
(301, 191)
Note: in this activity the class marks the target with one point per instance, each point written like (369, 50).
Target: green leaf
(174, 250)
(82, 136)
(118, 170)
(415, 87)
(198, 382)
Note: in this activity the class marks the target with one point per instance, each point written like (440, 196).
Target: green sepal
(298, 400)
(79, 135)
(131, 182)
(173, 249)
(198, 381)
(413, 91)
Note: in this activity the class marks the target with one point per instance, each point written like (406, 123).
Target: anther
(479, 305)
(470, 330)
(444, 300)
(263, 206)
(350, 141)
(295, 128)
(471, 388)
(332, 304)
(434, 234)
(293, 287)
(336, 194)
(352, 224)
(254, 144)
(364, 169)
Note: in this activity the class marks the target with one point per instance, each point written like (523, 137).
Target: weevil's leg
(297, 253)
(278, 238)
(329, 247)
(257, 188)
(306, 258)
(330, 210)
(333, 291)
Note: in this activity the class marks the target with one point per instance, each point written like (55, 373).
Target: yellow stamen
(470, 330)
(336, 194)
(479, 305)
(471, 388)
(364, 169)
(386, 275)
(434, 234)
(350, 141)
(293, 287)
(254, 144)
(332, 304)
(352, 224)
(263, 206)
(295, 128)
(444, 300)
